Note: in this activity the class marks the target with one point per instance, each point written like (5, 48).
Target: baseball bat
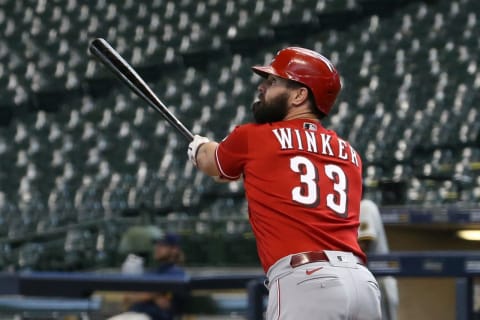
(108, 56)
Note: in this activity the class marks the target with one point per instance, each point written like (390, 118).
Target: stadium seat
(77, 144)
(60, 203)
(29, 256)
(6, 256)
(107, 240)
(78, 249)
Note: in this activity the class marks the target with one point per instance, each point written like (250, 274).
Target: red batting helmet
(308, 68)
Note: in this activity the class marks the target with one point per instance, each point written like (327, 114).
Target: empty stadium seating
(78, 147)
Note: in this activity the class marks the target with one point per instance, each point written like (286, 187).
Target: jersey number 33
(308, 192)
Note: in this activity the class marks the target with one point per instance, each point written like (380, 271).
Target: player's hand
(194, 146)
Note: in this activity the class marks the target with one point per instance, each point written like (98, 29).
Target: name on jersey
(310, 141)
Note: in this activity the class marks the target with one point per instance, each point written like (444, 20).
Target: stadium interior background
(82, 158)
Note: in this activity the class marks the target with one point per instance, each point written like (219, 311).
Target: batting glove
(194, 146)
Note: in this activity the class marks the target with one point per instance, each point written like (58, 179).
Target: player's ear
(299, 96)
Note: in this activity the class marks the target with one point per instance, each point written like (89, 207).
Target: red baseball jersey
(303, 185)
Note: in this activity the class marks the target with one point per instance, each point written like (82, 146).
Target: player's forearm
(206, 159)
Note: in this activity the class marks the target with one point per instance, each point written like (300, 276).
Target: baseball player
(372, 239)
(303, 185)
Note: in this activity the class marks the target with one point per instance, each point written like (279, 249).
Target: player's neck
(302, 111)
(301, 115)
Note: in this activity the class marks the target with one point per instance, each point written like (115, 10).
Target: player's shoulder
(245, 127)
(368, 203)
(241, 132)
(368, 206)
(251, 127)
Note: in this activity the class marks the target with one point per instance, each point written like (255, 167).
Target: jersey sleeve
(231, 153)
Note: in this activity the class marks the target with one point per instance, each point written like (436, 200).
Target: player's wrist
(194, 148)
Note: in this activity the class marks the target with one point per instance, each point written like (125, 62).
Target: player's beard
(270, 111)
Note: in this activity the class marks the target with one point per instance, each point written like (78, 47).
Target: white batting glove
(194, 146)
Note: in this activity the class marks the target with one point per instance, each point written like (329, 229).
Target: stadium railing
(464, 266)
